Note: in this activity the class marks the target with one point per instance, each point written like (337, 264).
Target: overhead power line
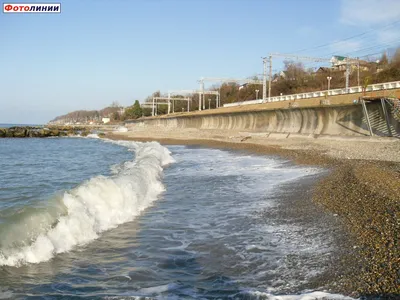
(348, 38)
(378, 46)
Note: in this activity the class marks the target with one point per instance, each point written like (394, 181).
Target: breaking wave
(81, 214)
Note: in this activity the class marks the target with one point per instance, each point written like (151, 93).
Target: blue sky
(97, 52)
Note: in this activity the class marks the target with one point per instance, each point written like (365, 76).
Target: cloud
(379, 19)
(364, 13)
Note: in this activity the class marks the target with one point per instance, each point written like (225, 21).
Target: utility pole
(347, 74)
(165, 101)
(219, 96)
(218, 93)
(153, 109)
(270, 78)
(358, 71)
(204, 99)
(290, 56)
(350, 62)
(265, 62)
(199, 99)
(169, 103)
(264, 79)
(201, 92)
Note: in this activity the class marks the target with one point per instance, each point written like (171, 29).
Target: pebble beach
(361, 189)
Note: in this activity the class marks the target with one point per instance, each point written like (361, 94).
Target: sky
(96, 52)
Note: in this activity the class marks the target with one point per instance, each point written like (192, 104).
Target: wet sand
(362, 190)
(297, 208)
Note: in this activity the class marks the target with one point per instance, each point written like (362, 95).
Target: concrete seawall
(344, 120)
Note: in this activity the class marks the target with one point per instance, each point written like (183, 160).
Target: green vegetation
(295, 78)
(133, 112)
(90, 116)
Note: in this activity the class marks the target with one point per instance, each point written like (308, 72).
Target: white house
(106, 120)
(243, 86)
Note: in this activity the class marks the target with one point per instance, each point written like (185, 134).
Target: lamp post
(257, 94)
(329, 82)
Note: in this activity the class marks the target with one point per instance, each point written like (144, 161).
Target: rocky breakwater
(43, 132)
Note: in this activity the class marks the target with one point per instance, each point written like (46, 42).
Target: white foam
(305, 296)
(92, 136)
(5, 294)
(99, 204)
(121, 129)
(159, 289)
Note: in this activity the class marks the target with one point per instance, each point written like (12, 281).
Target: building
(106, 120)
(325, 70)
(243, 86)
(339, 63)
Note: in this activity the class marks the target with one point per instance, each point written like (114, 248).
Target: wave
(97, 205)
(315, 295)
(121, 129)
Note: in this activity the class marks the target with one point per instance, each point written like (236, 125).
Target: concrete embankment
(344, 120)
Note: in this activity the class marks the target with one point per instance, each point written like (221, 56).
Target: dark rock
(10, 133)
(46, 132)
(39, 132)
(20, 132)
(54, 132)
(3, 132)
(34, 133)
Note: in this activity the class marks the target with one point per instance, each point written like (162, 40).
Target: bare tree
(115, 104)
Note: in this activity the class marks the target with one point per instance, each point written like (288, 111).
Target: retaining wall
(347, 120)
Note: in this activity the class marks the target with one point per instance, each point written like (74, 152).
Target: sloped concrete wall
(330, 120)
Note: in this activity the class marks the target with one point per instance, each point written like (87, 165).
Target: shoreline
(297, 208)
(364, 194)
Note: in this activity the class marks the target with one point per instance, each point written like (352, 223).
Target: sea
(8, 125)
(99, 219)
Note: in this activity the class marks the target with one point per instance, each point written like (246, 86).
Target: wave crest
(100, 204)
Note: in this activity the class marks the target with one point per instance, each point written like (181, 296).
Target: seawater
(7, 125)
(125, 220)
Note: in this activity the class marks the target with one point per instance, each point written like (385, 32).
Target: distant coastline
(8, 125)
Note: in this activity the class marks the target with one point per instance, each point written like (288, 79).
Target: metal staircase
(382, 122)
(394, 105)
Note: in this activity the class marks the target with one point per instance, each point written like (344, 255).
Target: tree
(146, 111)
(365, 85)
(116, 116)
(384, 60)
(115, 104)
(396, 57)
(134, 111)
(137, 109)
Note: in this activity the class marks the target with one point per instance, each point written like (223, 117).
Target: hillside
(87, 116)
